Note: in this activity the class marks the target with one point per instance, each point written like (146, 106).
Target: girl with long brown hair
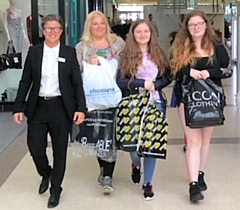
(143, 66)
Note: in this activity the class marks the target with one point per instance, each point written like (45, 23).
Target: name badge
(63, 60)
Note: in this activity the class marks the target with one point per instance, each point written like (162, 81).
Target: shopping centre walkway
(19, 180)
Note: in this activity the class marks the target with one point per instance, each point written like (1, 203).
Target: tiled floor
(19, 181)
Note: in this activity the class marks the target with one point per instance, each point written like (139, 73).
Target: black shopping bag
(97, 126)
(203, 103)
(15, 59)
(129, 113)
(98, 131)
(154, 134)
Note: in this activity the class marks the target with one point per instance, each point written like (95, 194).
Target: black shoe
(53, 201)
(201, 182)
(148, 193)
(195, 192)
(44, 184)
(136, 174)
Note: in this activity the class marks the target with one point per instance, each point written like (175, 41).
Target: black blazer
(70, 81)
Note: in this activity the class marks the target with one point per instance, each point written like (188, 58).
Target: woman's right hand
(18, 118)
(149, 85)
(93, 59)
(196, 74)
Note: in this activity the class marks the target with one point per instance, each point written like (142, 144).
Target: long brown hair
(183, 48)
(131, 56)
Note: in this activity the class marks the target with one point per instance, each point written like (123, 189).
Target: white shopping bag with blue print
(99, 83)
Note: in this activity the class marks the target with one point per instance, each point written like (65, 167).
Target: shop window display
(14, 28)
(12, 36)
(12, 19)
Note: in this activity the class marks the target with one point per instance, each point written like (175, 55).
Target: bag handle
(10, 49)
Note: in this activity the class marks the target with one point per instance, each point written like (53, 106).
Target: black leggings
(108, 168)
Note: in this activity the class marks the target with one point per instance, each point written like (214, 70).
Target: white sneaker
(107, 185)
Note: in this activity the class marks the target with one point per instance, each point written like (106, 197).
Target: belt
(47, 98)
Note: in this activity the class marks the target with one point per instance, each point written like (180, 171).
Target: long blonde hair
(183, 51)
(87, 36)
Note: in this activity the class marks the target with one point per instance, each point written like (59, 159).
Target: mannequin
(12, 20)
(3, 37)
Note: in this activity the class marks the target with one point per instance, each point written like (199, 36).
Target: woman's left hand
(93, 59)
(205, 74)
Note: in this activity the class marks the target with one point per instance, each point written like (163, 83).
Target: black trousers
(108, 168)
(50, 117)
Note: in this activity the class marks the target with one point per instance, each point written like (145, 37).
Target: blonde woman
(196, 52)
(98, 41)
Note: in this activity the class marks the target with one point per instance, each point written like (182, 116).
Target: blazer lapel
(39, 59)
(60, 62)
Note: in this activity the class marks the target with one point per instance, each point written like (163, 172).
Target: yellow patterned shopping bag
(153, 135)
(129, 113)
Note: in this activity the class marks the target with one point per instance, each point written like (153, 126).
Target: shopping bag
(98, 131)
(203, 103)
(153, 135)
(99, 83)
(129, 114)
(4, 62)
(15, 59)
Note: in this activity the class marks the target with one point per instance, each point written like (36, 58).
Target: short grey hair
(52, 17)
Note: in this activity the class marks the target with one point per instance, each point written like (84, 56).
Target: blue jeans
(161, 106)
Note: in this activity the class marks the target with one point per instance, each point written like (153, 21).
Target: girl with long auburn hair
(197, 53)
(143, 66)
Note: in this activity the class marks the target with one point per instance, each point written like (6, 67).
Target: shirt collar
(53, 49)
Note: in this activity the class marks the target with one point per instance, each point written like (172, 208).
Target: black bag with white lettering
(203, 103)
(98, 131)
(15, 59)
